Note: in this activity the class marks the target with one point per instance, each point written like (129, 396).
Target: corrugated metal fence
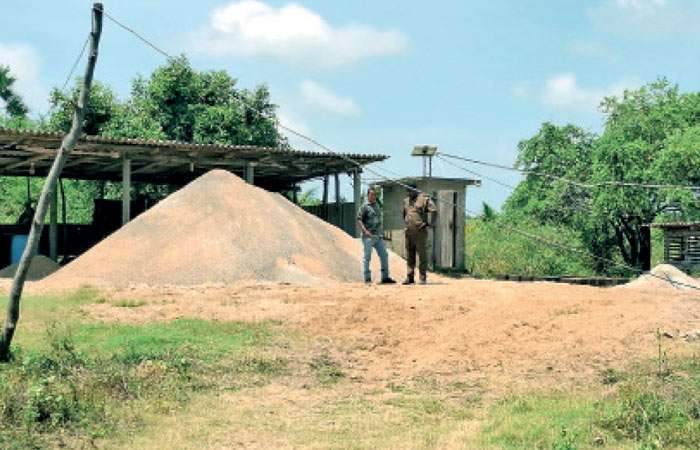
(342, 216)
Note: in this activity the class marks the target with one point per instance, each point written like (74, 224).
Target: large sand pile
(219, 229)
(40, 267)
(664, 276)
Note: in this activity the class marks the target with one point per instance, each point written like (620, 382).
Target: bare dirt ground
(501, 334)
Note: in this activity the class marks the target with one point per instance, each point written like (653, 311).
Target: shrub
(492, 249)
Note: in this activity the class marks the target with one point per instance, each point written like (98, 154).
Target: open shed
(30, 153)
(681, 243)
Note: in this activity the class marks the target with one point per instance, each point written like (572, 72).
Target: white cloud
(647, 18)
(563, 91)
(25, 67)
(292, 34)
(324, 100)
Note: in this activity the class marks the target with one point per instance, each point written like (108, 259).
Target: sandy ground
(521, 335)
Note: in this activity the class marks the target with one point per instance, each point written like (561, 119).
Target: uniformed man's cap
(411, 187)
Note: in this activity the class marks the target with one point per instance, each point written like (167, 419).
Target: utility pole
(48, 191)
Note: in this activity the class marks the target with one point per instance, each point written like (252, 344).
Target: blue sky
(473, 77)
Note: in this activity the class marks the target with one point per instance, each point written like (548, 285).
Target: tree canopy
(651, 136)
(176, 103)
(14, 105)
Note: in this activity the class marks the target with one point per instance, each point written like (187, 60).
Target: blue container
(19, 241)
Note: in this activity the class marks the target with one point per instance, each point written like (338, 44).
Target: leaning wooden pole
(49, 189)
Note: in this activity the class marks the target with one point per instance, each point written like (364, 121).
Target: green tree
(564, 154)
(14, 105)
(176, 103)
(644, 140)
(651, 136)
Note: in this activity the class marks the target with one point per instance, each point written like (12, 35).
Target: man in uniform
(418, 213)
(369, 218)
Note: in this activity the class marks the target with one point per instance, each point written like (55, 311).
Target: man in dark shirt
(369, 218)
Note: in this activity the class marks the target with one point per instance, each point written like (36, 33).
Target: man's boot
(409, 280)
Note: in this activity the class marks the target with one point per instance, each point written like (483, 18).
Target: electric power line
(75, 64)
(573, 182)
(467, 212)
(494, 180)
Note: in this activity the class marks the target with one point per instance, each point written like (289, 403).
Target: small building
(446, 236)
(681, 243)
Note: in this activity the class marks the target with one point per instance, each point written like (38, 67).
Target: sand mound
(219, 229)
(40, 267)
(665, 276)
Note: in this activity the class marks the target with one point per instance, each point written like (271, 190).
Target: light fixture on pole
(426, 152)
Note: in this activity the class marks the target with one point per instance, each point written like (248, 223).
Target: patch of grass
(89, 381)
(647, 411)
(128, 303)
(539, 422)
(37, 312)
(326, 369)
(657, 413)
(211, 340)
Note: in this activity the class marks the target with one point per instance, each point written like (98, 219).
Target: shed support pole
(338, 204)
(325, 198)
(126, 191)
(250, 173)
(357, 197)
(295, 197)
(53, 226)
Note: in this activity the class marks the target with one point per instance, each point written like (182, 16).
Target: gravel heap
(40, 267)
(219, 229)
(670, 275)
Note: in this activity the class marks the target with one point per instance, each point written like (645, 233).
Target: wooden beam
(250, 173)
(357, 197)
(53, 226)
(325, 197)
(126, 191)
(338, 202)
(28, 161)
(147, 168)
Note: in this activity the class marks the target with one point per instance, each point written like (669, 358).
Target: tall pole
(357, 194)
(338, 203)
(250, 172)
(53, 226)
(324, 202)
(126, 191)
(48, 191)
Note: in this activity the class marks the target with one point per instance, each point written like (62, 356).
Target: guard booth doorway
(445, 242)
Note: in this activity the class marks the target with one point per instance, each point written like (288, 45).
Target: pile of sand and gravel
(219, 229)
(41, 267)
(664, 276)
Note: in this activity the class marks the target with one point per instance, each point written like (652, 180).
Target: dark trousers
(416, 243)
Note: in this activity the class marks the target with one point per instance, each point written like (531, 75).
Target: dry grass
(291, 416)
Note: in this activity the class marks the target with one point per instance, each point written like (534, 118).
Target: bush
(658, 412)
(492, 249)
(60, 393)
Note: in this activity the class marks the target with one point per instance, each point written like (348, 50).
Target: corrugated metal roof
(676, 225)
(33, 134)
(31, 152)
